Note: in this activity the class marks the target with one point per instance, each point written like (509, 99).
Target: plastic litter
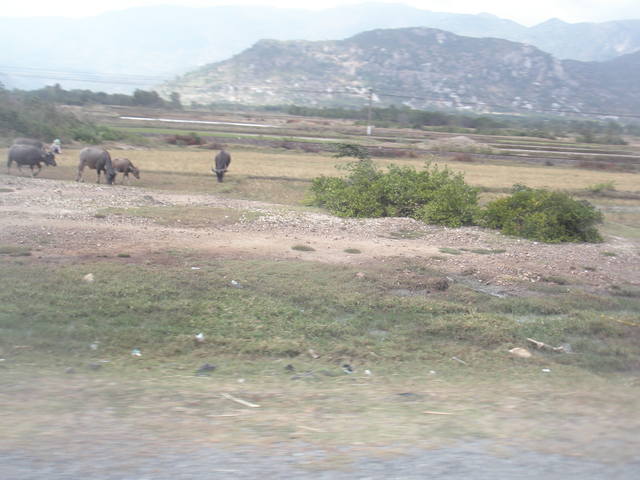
(520, 352)
(136, 352)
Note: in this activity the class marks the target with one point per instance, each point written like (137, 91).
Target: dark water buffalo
(223, 159)
(29, 155)
(98, 159)
(124, 166)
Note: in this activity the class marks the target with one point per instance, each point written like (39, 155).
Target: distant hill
(141, 47)
(419, 67)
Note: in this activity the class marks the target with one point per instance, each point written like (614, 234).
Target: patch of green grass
(285, 308)
(601, 187)
(484, 251)
(610, 254)
(15, 250)
(352, 250)
(6, 190)
(186, 216)
(556, 279)
(406, 234)
(625, 291)
(303, 248)
(450, 251)
(124, 255)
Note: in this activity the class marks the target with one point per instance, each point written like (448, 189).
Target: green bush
(432, 195)
(351, 150)
(542, 215)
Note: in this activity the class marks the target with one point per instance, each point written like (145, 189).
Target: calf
(124, 166)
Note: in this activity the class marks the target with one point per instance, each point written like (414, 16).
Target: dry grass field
(305, 166)
(284, 177)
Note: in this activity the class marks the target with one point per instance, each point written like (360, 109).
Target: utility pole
(369, 127)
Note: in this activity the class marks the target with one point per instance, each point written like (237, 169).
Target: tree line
(550, 127)
(140, 98)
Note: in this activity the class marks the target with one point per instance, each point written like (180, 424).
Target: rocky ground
(60, 219)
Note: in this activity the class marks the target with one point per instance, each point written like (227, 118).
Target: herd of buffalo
(33, 153)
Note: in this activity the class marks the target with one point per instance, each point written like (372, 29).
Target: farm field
(286, 295)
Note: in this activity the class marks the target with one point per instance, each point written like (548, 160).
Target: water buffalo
(124, 166)
(223, 159)
(98, 159)
(29, 155)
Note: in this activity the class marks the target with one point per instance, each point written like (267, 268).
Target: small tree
(351, 150)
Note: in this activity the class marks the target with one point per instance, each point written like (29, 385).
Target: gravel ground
(463, 462)
(59, 218)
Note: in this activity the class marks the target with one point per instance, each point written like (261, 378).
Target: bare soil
(63, 219)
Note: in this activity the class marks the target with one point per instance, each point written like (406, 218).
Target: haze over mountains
(142, 47)
(418, 67)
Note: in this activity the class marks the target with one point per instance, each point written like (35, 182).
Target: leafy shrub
(432, 195)
(89, 133)
(351, 150)
(542, 215)
(191, 138)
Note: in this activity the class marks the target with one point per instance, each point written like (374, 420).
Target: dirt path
(59, 218)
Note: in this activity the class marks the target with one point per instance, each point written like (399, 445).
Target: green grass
(406, 234)
(286, 308)
(352, 250)
(303, 248)
(450, 251)
(15, 250)
(185, 216)
(485, 251)
(227, 134)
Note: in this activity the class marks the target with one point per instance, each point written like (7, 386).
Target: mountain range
(418, 67)
(142, 47)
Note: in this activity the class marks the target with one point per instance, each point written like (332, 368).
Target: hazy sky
(527, 13)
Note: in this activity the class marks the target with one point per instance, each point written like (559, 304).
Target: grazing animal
(124, 166)
(29, 155)
(98, 159)
(223, 159)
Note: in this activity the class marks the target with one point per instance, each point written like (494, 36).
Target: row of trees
(587, 131)
(141, 98)
(31, 116)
